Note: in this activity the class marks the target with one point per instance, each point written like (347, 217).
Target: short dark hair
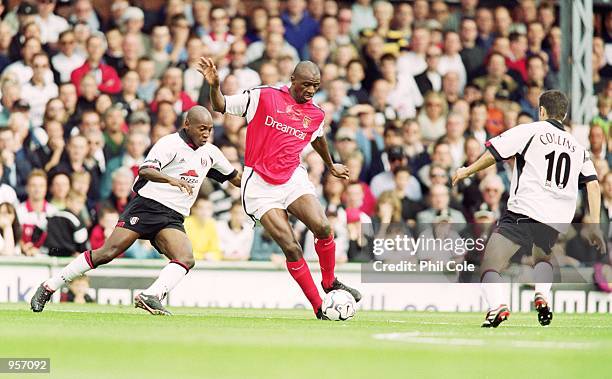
(556, 103)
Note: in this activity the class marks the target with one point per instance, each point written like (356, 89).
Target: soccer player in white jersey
(167, 186)
(281, 122)
(549, 167)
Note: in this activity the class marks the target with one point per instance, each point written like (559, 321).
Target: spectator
(37, 91)
(404, 96)
(33, 213)
(235, 235)
(6, 36)
(7, 193)
(439, 201)
(359, 235)
(432, 117)
(22, 69)
(147, 83)
(247, 77)
(530, 101)
(472, 55)
(266, 249)
(491, 189)
(603, 117)
(300, 27)
(413, 145)
(78, 291)
(133, 156)
(173, 80)
(485, 25)
(50, 24)
(598, 145)
(10, 231)
(497, 76)
(413, 62)
(355, 165)
(333, 189)
(430, 79)
(387, 223)
(114, 132)
(219, 39)
(121, 189)
(132, 23)
(85, 13)
(160, 42)
(201, 229)
(59, 186)
(16, 171)
(74, 161)
(66, 233)
(455, 130)
(385, 181)
(105, 76)
(257, 50)
(441, 156)
(450, 61)
(67, 60)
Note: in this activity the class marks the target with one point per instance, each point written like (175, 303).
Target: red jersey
(278, 130)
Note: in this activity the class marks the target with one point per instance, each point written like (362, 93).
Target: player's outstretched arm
(337, 170)
(485, 160)
(159, 177)
(207, 68)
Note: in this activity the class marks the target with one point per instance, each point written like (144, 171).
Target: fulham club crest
(306, 122)
(134, 220)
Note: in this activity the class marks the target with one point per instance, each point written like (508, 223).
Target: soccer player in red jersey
(281, 122)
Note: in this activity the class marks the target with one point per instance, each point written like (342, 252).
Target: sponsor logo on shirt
(271, 122)
(190, 173)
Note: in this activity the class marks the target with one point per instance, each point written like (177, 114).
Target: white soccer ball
(339, 305)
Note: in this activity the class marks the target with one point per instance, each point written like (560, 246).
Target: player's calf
(545, 314)
(496, 316)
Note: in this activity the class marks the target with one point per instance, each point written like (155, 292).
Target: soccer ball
(339, 305)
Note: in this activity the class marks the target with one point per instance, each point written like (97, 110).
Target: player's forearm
(154, 175)
(594, 198)
(320, 146)
(487, 159)
(216, 98)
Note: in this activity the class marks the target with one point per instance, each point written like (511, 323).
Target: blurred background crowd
(411, 90)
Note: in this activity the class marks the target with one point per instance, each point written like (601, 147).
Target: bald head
(306, 69)
(199, 115)
(305, 81)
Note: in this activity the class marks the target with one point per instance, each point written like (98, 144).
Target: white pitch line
(435, 339)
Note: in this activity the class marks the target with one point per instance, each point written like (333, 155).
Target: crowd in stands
(411, 90)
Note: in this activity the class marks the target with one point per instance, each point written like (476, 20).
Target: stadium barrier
(264, 285)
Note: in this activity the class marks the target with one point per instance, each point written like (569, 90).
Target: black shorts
(526, 232)
(148, 217)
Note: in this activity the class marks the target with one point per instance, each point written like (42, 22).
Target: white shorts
(259, 196)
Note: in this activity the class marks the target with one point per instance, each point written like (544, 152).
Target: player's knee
(293, 252)
(105, 254)
(322, 230)
(188, 261)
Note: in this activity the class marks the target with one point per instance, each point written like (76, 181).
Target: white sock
(492, 289)
(76, 268)
(543, 277)
(168, 278)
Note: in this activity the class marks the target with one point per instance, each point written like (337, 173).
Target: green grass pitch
(95, 341)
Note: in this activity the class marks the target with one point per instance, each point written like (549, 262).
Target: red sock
(301, 274)
(326, 250)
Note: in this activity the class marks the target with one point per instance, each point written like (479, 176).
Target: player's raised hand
(339, 171)
(207, 68)
(183, 186)
(460, 174)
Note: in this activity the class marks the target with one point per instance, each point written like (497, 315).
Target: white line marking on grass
(435, 339)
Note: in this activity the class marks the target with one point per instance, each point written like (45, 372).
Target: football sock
(168, 278)
(491, 284)
(326, 250)
(301, 274)
(77, 267)
(543, 277)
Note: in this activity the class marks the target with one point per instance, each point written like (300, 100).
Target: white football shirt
(549, 166)
(176, 156)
